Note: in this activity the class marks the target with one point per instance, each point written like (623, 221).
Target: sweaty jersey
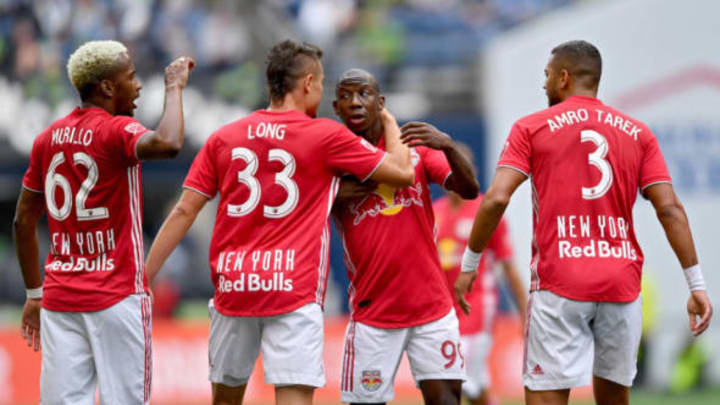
(86, 166)
(277, 174)
(454, 226)
(586, 162)
(390, 251)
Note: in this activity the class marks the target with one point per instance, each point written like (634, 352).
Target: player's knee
(441, 392)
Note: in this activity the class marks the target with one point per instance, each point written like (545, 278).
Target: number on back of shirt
(283, 178)
(597, 159)
(55, 181)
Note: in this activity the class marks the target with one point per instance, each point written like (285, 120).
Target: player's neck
(582, 92)
(289, 103)
(92, 103)
(374, 132)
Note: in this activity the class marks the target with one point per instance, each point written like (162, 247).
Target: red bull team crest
(371, 380)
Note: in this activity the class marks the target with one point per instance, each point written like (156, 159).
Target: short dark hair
(582, 60)
(287, 62)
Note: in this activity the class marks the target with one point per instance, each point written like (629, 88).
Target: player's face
(358, 105)
(127, 88)
(316, 91)
(551, 86)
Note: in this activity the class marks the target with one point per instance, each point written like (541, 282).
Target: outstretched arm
(491, 210)
(30, 207)
(674, 221)
(167, 139)
(462, 180)
(173, 230)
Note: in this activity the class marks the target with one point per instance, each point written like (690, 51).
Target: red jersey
(277, 174)
(586, 162)
(390, 251)
(87, 167)
(454, 226)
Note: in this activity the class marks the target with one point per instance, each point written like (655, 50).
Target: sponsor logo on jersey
(371, 380)
(387, 201)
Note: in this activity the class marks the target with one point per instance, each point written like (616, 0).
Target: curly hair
(92, 61)
(287, 62)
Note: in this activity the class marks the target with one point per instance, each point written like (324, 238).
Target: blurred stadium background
(469, 66)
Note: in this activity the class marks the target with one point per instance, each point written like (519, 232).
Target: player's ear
(335, 107)
(107, 88)
(564, 78)
(381, 101)
(307, 81)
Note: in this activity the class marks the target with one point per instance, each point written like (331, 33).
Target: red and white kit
(277, 174)
(587, 162)
(454, 226)
(397, 289)
(86, 166)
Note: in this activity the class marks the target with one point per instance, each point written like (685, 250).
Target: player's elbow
(670, 212)
(469, 191)
(22, 224)
(496, 201)
(161, 146)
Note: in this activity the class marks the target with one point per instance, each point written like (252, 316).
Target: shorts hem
(624, 381)
(235, 382)
(442, 376)
(548, 385)
(282, 379)
(351, 397)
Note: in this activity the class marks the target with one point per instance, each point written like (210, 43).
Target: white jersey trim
(377, 166)
(654, 183)
(198, 191)
(325, 243)
(31, 189)
(514, 168)
(138, 141)
(444, 183)
(136, 227)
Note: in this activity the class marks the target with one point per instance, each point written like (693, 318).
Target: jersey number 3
(283, 178)
(597, 159)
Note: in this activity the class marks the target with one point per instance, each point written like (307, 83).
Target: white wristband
(34, 293)
(470, 260)
(694, 278)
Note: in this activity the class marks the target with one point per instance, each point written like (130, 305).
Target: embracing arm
(174, 228)
(397, 169)
(462, 179)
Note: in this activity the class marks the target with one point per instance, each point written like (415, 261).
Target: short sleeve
(500, 244)
(125, 133)
(33, 179)
(202, 176)
(437, 168)
(516, 153)
(653, 168)
(349, 153)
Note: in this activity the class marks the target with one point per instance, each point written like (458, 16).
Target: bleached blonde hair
(92, 60)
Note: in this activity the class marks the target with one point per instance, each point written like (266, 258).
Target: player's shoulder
(330, 126)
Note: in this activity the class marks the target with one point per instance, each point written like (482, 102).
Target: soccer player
(277, 172)
(398, 298)
(454, 217)
(587, 162)
(85, 174)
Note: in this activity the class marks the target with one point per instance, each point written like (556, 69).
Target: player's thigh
(233, 347)
(370, 361)
(292, 347)
(558, 342)
(617, 329)
(68, 370)
(434, 350)
(475, 349)
(121, 340)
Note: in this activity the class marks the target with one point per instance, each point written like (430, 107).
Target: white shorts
(110, 349)
(568, 341)
(372, 356)
(291, 343)
(475, 349)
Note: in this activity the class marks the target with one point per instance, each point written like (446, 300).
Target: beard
(553, 98)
